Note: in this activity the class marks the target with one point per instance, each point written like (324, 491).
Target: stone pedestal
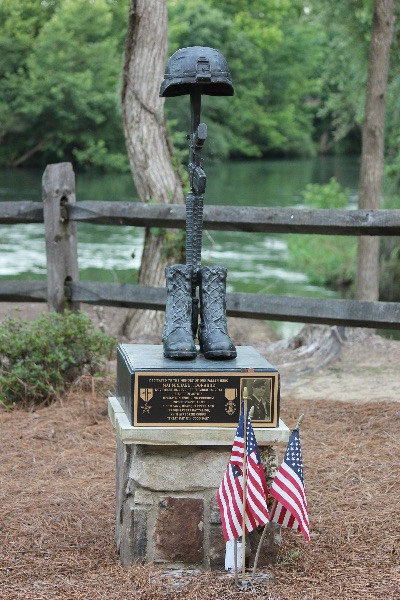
(166, 485)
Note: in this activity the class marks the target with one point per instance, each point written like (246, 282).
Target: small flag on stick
(290, 507)
(230, 493)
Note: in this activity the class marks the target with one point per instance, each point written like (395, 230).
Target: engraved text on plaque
(212, 398)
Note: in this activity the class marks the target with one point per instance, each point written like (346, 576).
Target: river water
(256, 262)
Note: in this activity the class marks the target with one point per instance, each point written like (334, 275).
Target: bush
(328, 195)
(327, 260)
(40, 359)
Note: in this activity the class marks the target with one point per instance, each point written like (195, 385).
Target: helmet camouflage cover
(197, 68)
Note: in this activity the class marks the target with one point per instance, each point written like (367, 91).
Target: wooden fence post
(58, 189)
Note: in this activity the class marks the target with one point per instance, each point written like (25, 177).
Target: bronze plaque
(209, 399)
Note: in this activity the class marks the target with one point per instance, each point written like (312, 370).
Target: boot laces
(179, 312)
(215, 309)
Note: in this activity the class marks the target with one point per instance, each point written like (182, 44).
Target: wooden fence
(60, 212)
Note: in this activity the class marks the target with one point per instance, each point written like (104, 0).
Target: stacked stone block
(167, 510)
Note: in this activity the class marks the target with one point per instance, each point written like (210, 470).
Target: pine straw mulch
(57, 510)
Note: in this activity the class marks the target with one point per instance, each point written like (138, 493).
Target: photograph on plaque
(261, 397)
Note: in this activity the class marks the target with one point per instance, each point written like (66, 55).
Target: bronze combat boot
(177, 335)
(213, 335)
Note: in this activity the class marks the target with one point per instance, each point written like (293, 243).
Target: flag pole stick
(260, 543)
(244, 481)
(299, 421)
(235, 559)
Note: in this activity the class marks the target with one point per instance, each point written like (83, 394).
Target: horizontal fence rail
(256, 306)
(22, 211)
(62, 289)
(23, 291)
(222, 218)
(385, 315)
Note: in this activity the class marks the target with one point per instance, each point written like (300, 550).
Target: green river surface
(256, 262)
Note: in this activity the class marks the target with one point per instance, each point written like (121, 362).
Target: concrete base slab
(186, 436)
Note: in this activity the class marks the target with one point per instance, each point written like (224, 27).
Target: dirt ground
(57, 484)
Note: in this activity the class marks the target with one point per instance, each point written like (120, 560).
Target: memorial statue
(196, 70)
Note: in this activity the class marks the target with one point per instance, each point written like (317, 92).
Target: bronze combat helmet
(204, 69)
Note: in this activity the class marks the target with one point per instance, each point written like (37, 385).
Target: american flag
(230, 493)
(290, 510)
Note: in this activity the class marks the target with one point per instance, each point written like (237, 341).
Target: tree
(274, 52)
(21, 21)
(151, 157)
(58, 82)
(371, 172)
(347, 28)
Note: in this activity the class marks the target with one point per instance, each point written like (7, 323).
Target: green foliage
(389, 283)
(40, 359)
(327, 260)
(389, 280)
(392, 133)
(290, 558)
(347, 29)
(59, 82)
(274, 65)
(299, 73)
(96, 154)
(174, 243)
(330, 195)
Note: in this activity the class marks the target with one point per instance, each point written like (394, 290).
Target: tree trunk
(149, 149)
(370, 185)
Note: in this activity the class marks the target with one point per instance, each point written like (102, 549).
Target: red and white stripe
(230, 502)
(230, 498)
(237, 452)
(291, 508)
